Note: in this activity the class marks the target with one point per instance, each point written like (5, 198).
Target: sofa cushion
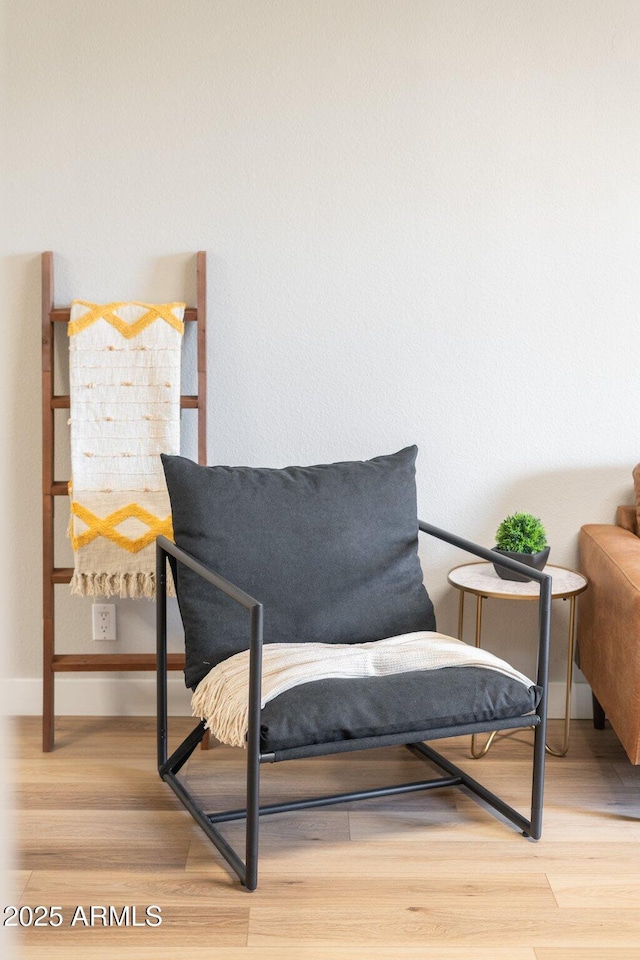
(331, 551)
(627, 518)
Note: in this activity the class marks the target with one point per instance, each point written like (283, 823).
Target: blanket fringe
(132, 585)
(209, 702)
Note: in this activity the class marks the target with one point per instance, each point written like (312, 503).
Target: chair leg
(253, 819)
(537, 782)
(253, 750)
(598, 713)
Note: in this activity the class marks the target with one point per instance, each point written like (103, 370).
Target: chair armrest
(215, 579)
(165, 548)
(544, 579)
(484, 552)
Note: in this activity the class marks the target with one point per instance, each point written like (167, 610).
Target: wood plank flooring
(417, 877)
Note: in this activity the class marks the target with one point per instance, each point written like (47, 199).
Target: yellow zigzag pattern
(106, 311)
(105, 527)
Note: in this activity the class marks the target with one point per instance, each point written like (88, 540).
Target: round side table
(481, 580)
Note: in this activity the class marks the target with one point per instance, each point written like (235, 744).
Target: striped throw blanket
(125, 411)
(221, 697)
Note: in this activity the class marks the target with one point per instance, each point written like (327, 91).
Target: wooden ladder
(51, 488)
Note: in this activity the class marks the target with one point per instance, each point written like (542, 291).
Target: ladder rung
(61, 574)
(94, 662)
(60, 488)
(62, 314)
(62, 402)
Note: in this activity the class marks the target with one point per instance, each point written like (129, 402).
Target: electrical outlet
(104, 621)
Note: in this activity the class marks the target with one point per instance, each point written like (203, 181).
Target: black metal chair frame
(247, 870)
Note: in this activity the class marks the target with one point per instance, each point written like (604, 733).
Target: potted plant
(521, 537)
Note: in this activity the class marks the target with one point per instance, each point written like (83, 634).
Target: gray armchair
(325, 554)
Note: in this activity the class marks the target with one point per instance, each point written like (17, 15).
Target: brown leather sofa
(608, 632)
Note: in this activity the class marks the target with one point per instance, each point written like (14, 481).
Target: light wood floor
(420, 877)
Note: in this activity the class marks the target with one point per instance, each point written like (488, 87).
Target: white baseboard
(95, 697)
(102, 697)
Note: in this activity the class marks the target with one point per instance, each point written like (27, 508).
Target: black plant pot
(535, 560)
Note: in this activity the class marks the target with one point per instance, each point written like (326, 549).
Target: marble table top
(481, 579)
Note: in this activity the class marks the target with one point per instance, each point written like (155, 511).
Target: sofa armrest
(609, 550)
(609, 627)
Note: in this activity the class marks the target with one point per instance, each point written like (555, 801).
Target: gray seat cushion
(330, 550)
(326, 711)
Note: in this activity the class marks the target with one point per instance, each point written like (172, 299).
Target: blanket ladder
(53, 662)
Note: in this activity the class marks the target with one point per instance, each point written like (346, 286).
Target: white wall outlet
(104, 621)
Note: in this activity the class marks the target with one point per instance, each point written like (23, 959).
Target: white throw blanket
(221, 698)
(125, 411)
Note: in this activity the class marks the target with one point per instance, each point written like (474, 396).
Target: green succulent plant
(521, 533)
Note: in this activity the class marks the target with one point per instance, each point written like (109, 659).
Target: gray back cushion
(330, 550)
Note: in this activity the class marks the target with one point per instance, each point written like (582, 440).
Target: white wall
(422, 221)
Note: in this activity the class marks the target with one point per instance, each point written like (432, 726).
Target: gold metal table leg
(460, 614)
(567, 701)
(475, 752)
